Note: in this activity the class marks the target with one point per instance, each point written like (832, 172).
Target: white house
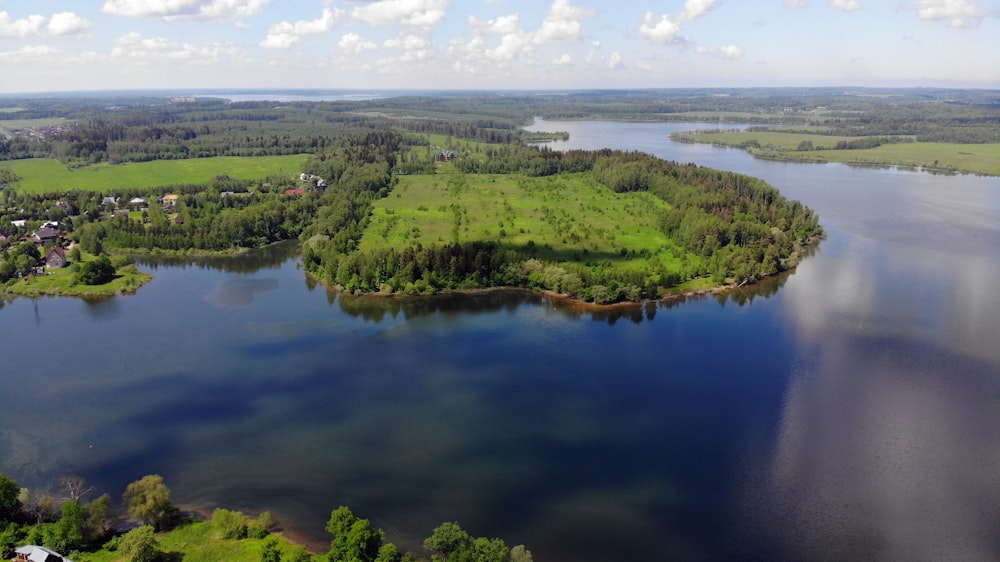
(32, 553)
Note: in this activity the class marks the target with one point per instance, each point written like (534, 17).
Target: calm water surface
(850, 410)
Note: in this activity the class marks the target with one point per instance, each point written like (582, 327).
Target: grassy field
(59, 282)
(565, 218)
(14, 124)
(972, 158)
(198, 542)
(784, 141)
(43, 175)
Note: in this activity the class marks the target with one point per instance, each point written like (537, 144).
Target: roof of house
(295, 192)
(56, 250)
(40, 554)
(46, 233)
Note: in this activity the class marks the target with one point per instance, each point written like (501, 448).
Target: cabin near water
(32, 553)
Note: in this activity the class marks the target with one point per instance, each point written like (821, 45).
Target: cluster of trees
(65, 523)
(69, 525)
(356, 540)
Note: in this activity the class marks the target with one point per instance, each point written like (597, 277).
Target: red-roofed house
(55, 258)
(297, 191)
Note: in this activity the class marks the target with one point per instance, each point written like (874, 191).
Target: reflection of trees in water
(268, 257)
(376, 308)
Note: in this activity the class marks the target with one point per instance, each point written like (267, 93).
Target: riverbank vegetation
(153, 529)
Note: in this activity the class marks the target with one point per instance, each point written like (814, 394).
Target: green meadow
(971, 158)
(568, 217)
(43, 175)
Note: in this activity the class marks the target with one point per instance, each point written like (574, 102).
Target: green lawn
(198, 542)
(43, 175)
(566, 217)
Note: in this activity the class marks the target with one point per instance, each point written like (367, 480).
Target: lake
(849, 410)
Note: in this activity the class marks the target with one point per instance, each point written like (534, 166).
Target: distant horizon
(291, 91)
(111, 45)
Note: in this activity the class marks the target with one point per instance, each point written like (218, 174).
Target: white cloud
(846, 5)
(564, 60)
(662, 30)
(134, 46)
(414, 47)
(616, 61)
(694, 9)
(415, 13)
(30, 26)
(354, 43)
(67, 23)
(796, 3)
(28, 53)
(285, 34)
(173, 9)
(562, 23)
(731, 52)
(959, 13)
(502, 25)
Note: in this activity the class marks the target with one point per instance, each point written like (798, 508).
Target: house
(109, 201)
(169, 200)
(120, 213)
(55, 258)
(138, 203)
(4, 236)
(321, 184)
(45, 234)
(305, 177)
(19, 223)
(63, 205)
(178, 220)
(32, 553)
(295, 191)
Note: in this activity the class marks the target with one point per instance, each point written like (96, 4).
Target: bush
(260, 527)
(232, 524)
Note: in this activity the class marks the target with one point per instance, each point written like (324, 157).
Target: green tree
(270, 551)
(10, 505)
(300, 554)
(520, 554)
(69, 533)
(148, 500)
(354, 539)
(232, 524)
(95, 272)
(98, 515)
(140, 545)
(447, 540)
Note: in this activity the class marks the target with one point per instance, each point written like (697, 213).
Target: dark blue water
(846, 411)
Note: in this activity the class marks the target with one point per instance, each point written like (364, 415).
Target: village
(43, 238)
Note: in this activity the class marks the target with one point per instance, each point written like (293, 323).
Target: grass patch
(46, 175)
(559, 219)
(199, 541)
(14, 124)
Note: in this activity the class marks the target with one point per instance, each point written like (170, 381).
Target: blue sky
(55, 45)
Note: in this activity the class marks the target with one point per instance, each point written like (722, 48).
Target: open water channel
(850, 410)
